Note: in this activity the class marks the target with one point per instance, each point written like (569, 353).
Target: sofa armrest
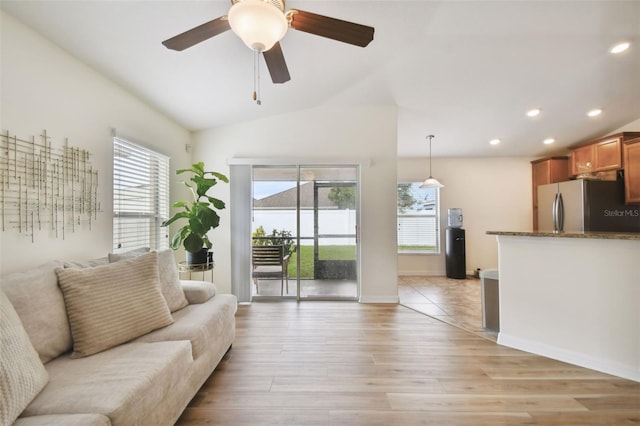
(198, 291)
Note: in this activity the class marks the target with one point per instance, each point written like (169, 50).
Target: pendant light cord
(431, 182)
(430, 137)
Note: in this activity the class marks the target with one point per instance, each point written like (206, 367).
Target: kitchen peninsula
(572, 296)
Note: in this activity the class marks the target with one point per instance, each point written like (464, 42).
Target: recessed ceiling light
(620, 47)
(494, 141)
(548, 141)
(594, 112)
(533, 112)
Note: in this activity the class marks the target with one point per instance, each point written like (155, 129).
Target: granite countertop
(596, 235)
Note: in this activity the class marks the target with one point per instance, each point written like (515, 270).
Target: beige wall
(320, 136)
(44, 88)
(494, 194)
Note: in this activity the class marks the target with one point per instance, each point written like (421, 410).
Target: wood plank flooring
(344, 363)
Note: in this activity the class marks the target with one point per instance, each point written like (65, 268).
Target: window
(140, 197)
(418, 219)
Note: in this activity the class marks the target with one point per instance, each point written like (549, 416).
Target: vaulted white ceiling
(465, 71)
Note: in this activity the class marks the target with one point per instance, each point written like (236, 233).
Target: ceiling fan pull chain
(256, 76)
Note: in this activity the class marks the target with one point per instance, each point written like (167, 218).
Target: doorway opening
(311, 211)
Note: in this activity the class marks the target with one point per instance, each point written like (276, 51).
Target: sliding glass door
(312, 212)
(274, 222)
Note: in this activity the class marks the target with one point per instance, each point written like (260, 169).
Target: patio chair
(270, 262)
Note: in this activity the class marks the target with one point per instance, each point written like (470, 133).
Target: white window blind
(140, 197)
(418, 219)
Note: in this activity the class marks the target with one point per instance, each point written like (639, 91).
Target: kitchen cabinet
(599, 155)
(631, 156)
(608, 155)
(582, 160)
(544, 171)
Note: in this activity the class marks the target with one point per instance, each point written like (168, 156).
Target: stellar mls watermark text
(622, 213)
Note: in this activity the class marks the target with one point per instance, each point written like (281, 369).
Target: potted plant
(282, 237)
(200, 214)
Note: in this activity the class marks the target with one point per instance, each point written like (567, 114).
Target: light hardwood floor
(344, 363)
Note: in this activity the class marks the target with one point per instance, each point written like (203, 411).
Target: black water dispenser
(455, 259)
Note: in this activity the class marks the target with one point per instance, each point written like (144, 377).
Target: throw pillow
(170, 281)
(111, 304)
(114, 257)
(22, 375)
(86, 263)
(169, 277)
(37, 299)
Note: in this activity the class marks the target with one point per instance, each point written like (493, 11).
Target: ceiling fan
(261, 24)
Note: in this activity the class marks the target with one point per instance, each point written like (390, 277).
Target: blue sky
(262, 189)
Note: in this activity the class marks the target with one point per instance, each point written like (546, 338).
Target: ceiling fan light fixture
(258, 23)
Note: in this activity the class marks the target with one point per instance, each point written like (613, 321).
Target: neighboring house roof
(287, 199)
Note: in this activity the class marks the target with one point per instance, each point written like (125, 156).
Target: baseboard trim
(576, 358)
(421, 273)
(379, 299)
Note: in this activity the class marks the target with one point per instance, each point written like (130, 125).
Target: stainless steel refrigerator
(586, 205)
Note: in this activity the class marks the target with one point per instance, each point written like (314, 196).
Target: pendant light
(431, 182)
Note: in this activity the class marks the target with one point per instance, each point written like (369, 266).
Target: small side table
(184, 267)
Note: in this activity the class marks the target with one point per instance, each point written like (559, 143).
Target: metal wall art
(45, 188)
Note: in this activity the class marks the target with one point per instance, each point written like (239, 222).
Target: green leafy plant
(343, 197)
(200, 212)
(284, 237)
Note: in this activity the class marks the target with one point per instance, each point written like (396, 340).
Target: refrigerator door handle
(560, 212)
(554, 212)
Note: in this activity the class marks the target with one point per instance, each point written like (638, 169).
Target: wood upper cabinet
(631, 154)
(599, 155)
(608, 155)
(543, 171)
(582, 160)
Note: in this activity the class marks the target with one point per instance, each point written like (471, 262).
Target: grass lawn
(326, 253)
(416, 249)
(336, 253)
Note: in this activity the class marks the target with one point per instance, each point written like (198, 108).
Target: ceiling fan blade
(336, 29)
(276, 64)
(198, 34)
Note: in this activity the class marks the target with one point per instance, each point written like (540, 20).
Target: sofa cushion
(64, 419)
(128, 254)
(22, 375)
(36, 297)
(201, 324)
(128, 383)
(168, 274)
(111, 304)
(86, 263)
(198, 291)
(170, 281)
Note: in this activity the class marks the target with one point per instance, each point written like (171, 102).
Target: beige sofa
(117, 341)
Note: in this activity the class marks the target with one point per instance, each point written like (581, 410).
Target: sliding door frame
(241, 195)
